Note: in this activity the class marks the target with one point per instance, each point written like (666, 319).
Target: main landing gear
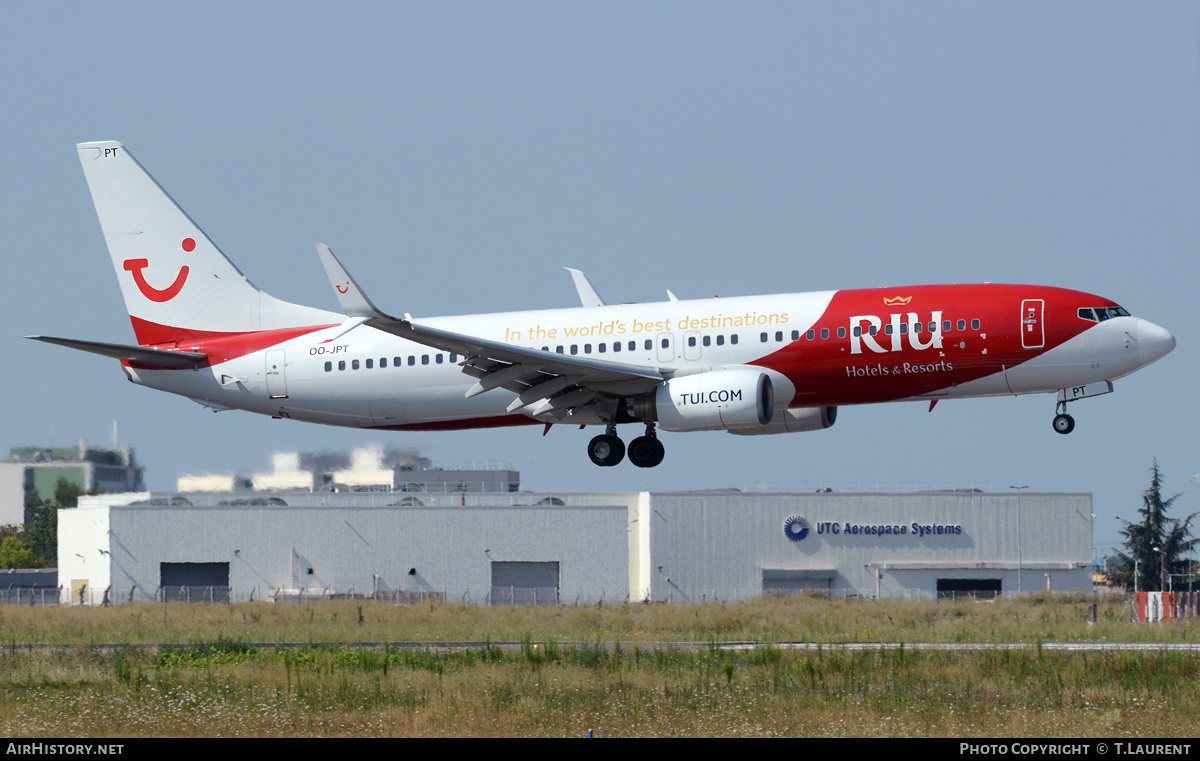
(646, 451)
(606, 450)
(1063, 423)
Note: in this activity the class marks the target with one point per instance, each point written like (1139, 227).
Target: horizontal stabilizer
(156, 357)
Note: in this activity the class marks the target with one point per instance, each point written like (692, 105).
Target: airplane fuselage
(919, 342)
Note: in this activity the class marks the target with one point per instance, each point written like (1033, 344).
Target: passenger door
(1033, 332)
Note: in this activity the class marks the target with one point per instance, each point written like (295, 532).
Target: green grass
(578, 669)
(814, 619)
(233, 689)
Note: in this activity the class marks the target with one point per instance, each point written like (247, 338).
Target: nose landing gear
(1063, 423)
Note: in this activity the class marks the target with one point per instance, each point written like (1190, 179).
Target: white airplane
(748, 365)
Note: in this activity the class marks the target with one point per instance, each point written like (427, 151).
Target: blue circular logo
(795, 528)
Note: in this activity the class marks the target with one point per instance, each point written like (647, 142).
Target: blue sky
(457, 155)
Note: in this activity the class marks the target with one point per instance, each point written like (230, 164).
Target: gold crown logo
(897, 301)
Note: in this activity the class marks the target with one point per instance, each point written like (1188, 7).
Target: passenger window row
(647, 345)
(948, 326)
(917, 327)
(369, 364)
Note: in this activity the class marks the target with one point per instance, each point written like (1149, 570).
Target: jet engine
(794, 421)
(733, 399)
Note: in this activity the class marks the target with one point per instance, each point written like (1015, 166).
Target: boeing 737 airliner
(748, 365)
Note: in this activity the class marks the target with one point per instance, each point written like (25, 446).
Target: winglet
(587, 294)
(350, 296)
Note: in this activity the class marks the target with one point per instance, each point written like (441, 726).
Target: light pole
(1136, 562)
(1019, 489)
(1163, 584)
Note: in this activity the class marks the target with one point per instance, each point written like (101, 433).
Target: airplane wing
(156, 357)
(564, 381)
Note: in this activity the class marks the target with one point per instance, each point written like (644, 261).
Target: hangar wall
(666, 547)
(281, 551)
(712, 546)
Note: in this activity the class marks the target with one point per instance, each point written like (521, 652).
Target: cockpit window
(1100, 314)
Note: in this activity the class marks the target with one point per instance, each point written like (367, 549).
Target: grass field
(613, 679)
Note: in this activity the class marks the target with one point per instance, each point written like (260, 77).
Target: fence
(1156, 607)
(193, 594)
(971, 595)
(221, 594)
(285, 500)
(395, 596)
(869, 487)
(508, 595)
(15, 595)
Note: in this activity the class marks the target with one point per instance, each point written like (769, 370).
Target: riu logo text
(865, 328)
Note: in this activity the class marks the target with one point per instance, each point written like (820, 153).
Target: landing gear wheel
(646, 451)
(606, 450)
(1064, 423)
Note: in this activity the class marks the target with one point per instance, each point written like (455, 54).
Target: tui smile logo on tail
(154, 294)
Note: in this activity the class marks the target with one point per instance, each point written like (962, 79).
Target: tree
(67, 493)
(41, 532)
(1156, 545)
(14, 554)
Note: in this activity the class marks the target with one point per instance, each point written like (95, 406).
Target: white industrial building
(369, 468)
(482, 548)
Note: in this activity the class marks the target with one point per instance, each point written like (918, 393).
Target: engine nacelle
(794, 421)
(720, 400)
